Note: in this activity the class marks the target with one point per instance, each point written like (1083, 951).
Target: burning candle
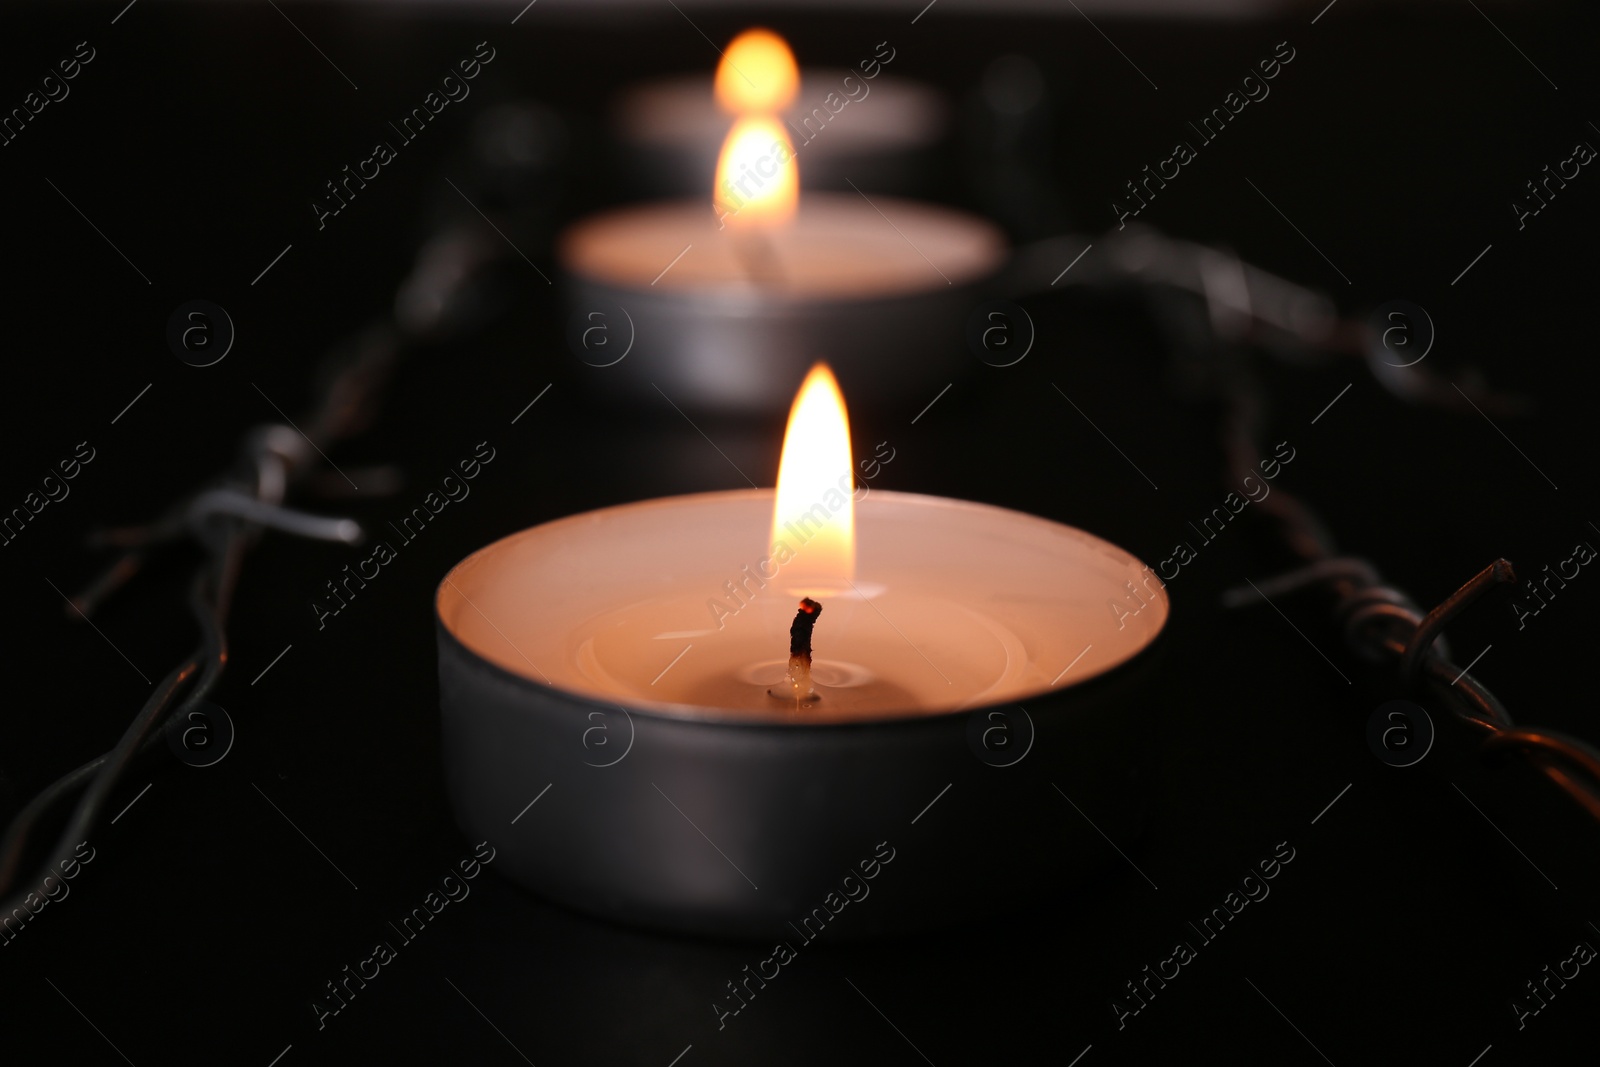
(666, 626)
(730, 298)
(862, 124)
(684, 606)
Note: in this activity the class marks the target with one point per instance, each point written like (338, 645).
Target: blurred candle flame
(757, 183)
(757, 74)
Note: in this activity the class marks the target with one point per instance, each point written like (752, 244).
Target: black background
(205, 925)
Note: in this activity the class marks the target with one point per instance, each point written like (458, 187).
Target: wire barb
(1498, 572)
(449, 290)
(226, 518)
(1381, 623)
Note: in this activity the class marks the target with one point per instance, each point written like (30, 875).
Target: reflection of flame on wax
(814, 514)
(757, 184)
(757, 74)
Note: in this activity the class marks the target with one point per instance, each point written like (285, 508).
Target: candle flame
(814, 516)
(757, 74)
(757, 184)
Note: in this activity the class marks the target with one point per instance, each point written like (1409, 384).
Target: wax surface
(838, 247)
(955, 605)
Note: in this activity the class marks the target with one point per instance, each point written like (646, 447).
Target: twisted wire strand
(1380, 622)
(446, 291)
(226, 517)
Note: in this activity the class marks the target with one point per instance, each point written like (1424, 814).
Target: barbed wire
(1379, 621)
(509, 158)
(1244, 306)
(226, 517)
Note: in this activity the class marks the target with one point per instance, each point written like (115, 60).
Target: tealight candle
(863, 124)
(668, 622)
(728, 301)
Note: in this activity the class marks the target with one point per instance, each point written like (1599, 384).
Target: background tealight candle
(727, 298)
(861, 125)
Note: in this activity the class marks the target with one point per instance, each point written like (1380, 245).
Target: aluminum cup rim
(713, 716)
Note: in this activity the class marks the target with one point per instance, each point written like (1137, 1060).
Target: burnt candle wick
(799, 676)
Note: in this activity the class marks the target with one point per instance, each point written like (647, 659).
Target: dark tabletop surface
(1417, 906)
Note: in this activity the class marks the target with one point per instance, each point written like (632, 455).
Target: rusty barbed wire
(444, 292)
(225, 518)
(1379, 621)
(1243, 305)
